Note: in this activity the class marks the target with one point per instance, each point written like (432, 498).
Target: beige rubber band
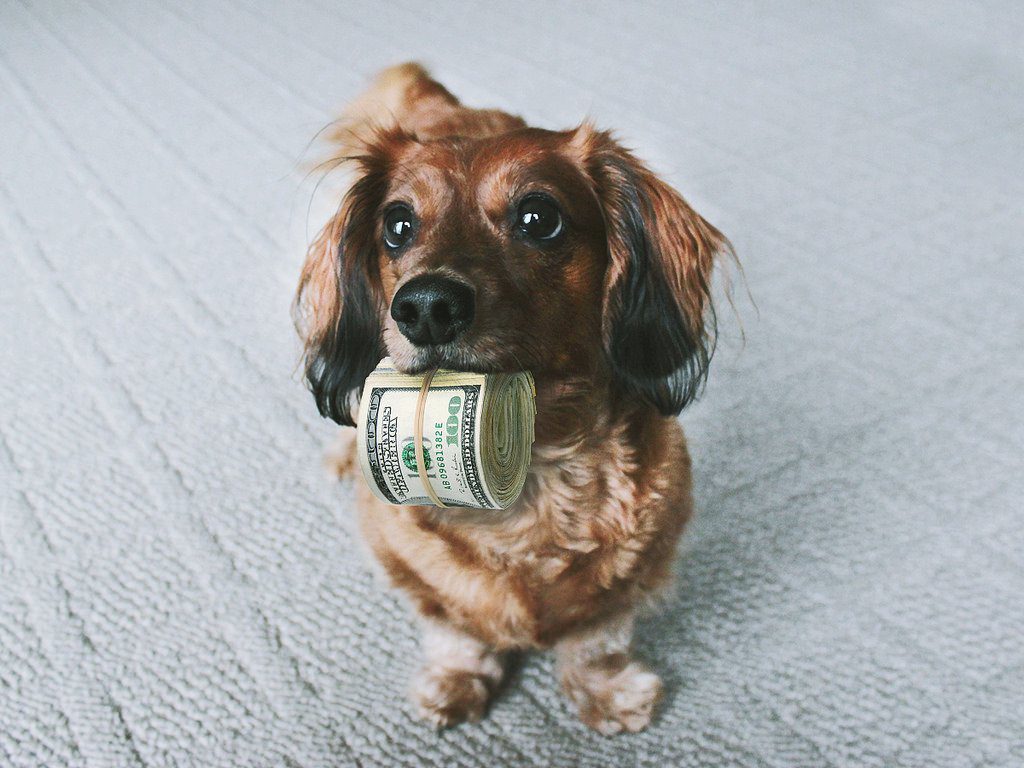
(417, 438)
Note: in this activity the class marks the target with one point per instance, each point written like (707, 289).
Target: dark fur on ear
(658, 318)
(338, 303)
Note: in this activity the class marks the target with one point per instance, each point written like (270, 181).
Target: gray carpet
(179, 581)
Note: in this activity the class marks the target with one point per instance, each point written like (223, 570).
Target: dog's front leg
(612, 692)
(458, 678)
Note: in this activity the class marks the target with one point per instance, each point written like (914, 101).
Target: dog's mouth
(449, 356)
(456, 356)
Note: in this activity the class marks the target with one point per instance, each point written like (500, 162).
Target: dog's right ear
(337, 308)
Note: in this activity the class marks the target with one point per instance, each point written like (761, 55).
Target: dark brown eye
(399, 226)
(538, 218)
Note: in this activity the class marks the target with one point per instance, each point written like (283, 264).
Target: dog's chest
(571, 549)
(556, 563)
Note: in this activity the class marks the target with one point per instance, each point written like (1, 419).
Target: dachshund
(469, 240)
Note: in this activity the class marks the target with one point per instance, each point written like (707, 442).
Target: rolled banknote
(447, 438)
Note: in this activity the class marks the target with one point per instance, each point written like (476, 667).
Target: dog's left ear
(658, 320)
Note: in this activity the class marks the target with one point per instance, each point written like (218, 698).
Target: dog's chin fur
(614, 321)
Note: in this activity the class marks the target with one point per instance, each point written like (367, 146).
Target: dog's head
(554, 252)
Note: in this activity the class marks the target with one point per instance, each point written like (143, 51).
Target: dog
(468, 240)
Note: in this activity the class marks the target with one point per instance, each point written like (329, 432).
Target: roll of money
(446, 438)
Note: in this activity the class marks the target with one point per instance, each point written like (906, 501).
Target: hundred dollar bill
(477, 437)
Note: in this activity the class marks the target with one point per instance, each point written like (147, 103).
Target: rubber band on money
(421, 461)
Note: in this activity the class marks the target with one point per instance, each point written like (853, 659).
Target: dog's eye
(399, 226)
(539, 218)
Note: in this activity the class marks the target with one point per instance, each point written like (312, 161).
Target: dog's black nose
(431, 309)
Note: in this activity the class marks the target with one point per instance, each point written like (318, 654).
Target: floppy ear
(658, 322)
(337, 308)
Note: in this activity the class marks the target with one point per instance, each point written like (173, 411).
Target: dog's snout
(431, 309)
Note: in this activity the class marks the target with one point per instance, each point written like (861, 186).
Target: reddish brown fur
(595, 530)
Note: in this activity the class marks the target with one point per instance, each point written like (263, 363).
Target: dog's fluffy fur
(611, 320)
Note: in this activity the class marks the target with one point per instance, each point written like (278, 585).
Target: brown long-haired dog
(471, 241)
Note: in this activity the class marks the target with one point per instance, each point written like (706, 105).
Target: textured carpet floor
(179, 582)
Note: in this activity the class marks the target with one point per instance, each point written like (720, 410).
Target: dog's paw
(614, 694)
(445, 697)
